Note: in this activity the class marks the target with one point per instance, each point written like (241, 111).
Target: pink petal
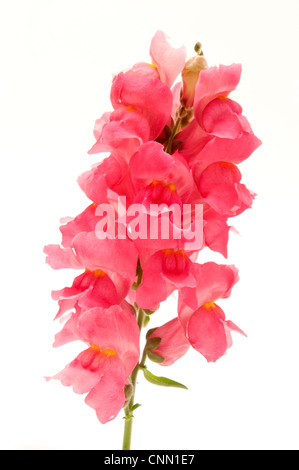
(230, 150)
(149, 96)
(219, 185)
(84, 372)
(165, 271)
(123, 134)
(96, 182)
(68, 332)
(213, 83)
(220, 118)
(115, 255)
(102, 294)
(112, 329)
(99, 124)
(169, 60)
(234, 327)
(107, 397)
(216, 232)
(145, 69)
(84, 222)
(194, 138)
(61, 258)
(151, 164)
(214, 281)
(206, 333)
(153, 289)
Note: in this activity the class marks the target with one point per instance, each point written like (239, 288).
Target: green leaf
(163, 381)
(137, 405)
(155, 357)
(151, 331)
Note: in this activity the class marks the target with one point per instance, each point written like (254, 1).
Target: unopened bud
(198, 48)
(190, 75)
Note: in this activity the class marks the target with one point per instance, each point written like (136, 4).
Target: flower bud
(190, 75)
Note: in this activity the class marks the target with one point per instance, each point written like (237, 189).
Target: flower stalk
(130, 406)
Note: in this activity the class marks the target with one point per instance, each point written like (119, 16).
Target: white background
(57, 61)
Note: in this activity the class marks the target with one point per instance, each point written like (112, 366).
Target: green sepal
(150, 332)
(148, 312)
(162, 381)
(153, 343)
(155, 357)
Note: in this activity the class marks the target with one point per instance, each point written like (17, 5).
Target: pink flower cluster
(168, 143)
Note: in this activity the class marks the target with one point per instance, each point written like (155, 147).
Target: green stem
(130, 404)
(173, 134)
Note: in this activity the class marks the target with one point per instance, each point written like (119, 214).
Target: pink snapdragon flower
(103, 369)
(89, 252)
(121, 132)
(109, 176)
(203, 321)
(151, 97)
(110, 270)
(166, 271)
(220, 187)
(219, 131)
(91, 289)
(142, 101)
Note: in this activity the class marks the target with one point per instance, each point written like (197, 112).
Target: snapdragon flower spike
(203, 321)
(165, 271)
(219, 131)
(103, 369)
(174, 147)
